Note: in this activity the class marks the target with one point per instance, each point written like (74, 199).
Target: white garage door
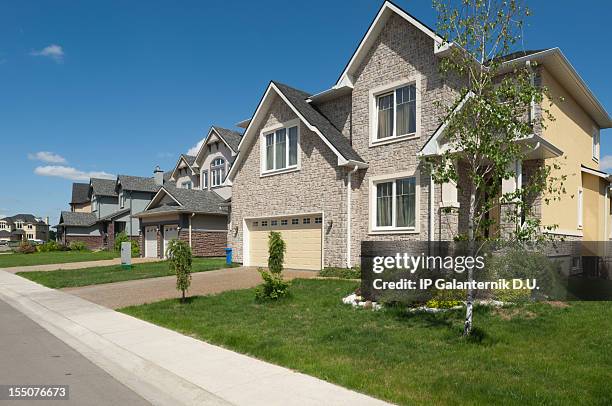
(170, 233)
(302, 236)
(151, 242)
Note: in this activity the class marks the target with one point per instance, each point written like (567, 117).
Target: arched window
(217, 172)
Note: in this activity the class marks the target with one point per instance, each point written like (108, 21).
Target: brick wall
(205, 243)
(92, 242)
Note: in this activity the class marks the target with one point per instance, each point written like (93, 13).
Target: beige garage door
(302, 235)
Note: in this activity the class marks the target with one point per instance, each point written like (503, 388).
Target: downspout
(190, 217)
(431, 206)
(348, 215)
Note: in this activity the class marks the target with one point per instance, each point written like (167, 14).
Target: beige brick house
(332, 169)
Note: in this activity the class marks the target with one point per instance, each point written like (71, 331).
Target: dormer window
(217, 171)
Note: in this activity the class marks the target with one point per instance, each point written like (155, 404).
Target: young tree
(276, 252)
(180, 259)
(493, 115)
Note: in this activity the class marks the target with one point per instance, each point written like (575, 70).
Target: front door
(151, 242)
(170, 233)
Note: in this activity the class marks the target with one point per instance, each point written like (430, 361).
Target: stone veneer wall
(401, 51)
(319, 186)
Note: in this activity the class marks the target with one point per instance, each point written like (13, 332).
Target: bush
(26, 248)
(78, 246)
(276, 252)
(180, 259)
(273, 288)
(512, 295)
(123, 237)
(343, 273)
(50, 246)
(446, 299)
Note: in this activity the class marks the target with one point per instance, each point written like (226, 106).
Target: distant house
(107, 209)
(22, 227)
(80, 201)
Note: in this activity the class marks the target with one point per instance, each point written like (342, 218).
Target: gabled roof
(185, 200)
(115, 214)
(188, 160)
(231, 138)
(80, 193)
(77, 219)
(137, 183)
(387, 10)
(309, 115)
(103, 187)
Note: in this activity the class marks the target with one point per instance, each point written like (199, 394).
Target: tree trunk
(467, 326)
(183, 298)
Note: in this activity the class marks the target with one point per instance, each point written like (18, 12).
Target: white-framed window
(186, 184)
(121, 200)
(217, 171)
(30, 236)
(19, 224)
(94, 203)
(394, 203)
(596, 142)
(580, 205)
(394, 111)
(280, 148)
(204, 180)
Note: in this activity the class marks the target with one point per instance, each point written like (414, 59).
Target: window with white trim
(121, 200)
(94, 203)
(280, 149)
(187, 184)
(217, 171)
(596, 141)
(580, 203)
(396, 113)
(395, 204)
(204, 180)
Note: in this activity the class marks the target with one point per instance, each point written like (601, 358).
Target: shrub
(180, 259)
(276, 252)
(26, 248)
(343, 273)
(512, 295)
(446, 299)
(273, 288)
(49, 246)
(78, 246)
(123, 237)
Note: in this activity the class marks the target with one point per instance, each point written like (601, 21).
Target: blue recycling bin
(228, 256)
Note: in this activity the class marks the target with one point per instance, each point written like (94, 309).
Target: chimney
(158, 176)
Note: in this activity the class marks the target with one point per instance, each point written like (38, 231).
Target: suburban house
(193, 204)
(23, 227)
(332, 169)
(112, 203)
(80, 201)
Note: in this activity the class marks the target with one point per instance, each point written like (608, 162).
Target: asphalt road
(29, 355)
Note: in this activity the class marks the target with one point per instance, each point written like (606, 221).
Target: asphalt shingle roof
(231, 137)
(115, 214)
(69, 218)
(138, 183)
(190, 159)
(192, 200)
(298, 99)
(80, 193)
(28, 218)
(103, 187)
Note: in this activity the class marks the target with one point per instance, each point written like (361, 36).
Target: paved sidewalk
(121, 294)
(163, 366)
(75, 265)
(36, 357)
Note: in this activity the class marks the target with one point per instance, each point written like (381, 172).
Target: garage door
(170, 233)
(302, 236)
(151, 242)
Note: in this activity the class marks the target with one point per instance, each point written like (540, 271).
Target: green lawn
(535, 354)
(56, 257)
(106, 274)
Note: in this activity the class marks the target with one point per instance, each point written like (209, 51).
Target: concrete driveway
(128, 293)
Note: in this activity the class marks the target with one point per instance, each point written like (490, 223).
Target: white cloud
(68, 172)
(194, 150)
(606, 162)
(52, 51)
(46, 156)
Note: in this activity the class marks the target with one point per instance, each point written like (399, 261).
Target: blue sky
(119, 87)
